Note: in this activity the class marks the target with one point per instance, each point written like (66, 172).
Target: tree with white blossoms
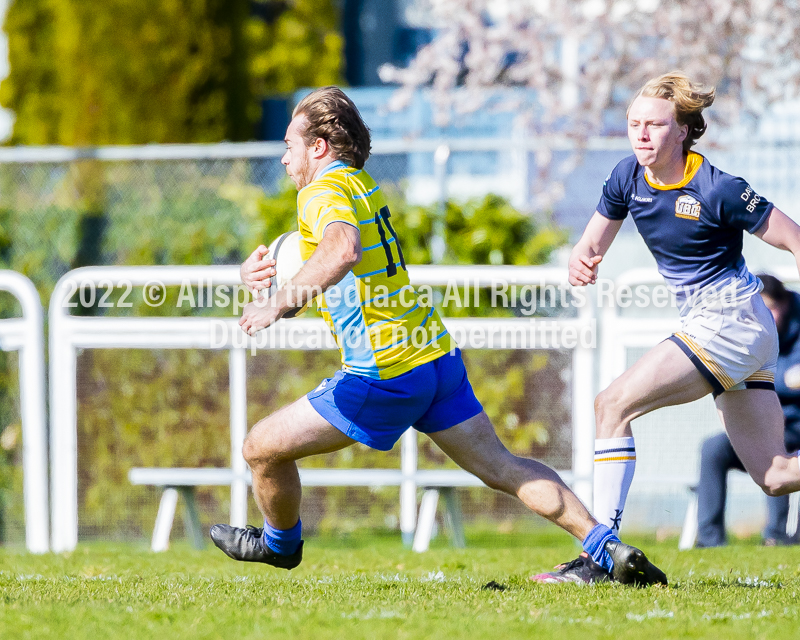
(583, 59)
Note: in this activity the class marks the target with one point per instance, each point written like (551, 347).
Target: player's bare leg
(271, 448)
(296, 431)
(663, 377)
(475, 447)
(754, 421)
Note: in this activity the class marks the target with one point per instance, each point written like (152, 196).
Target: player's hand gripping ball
(285, 250)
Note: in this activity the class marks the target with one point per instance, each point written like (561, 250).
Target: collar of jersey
(336, 164)
(693, 163)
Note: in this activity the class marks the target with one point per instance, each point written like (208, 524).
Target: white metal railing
(26, 335)
(233, 150)
(420, 186)
(70, 333)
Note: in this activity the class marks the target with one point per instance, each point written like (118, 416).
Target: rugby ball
(285, 250)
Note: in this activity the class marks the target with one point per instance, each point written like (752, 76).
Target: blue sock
(283, 542)
(595, 546)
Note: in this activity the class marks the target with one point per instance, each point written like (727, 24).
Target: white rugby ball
(285, 250)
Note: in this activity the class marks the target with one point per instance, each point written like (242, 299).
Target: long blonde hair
(688, 98)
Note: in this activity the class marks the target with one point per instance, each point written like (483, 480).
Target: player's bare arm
(336, 255)
(589, 252)
(781, 232)
(258, 270)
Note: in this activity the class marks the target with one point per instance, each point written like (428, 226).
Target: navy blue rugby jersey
(694, 229)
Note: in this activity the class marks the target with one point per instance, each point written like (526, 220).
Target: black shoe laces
(573, 564)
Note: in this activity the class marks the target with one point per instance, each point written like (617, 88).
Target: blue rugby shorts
(431, 397)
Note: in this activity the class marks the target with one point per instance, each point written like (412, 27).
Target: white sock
(614, 464)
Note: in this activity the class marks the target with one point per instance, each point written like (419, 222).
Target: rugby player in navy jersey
(692, 217)
(388, 382)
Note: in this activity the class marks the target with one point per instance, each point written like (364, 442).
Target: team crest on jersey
(687, 207)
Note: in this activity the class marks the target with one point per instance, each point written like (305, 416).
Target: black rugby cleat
(582, 570)
(631, 566)
(246, 545)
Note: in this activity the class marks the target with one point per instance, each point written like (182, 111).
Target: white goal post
(70, 333)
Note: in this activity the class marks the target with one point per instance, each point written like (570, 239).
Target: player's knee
(494, 479)
(250, 451)
(256, 453)
(780, 478)
(493, 476)
(609, 413)
(774, 487)
(772, 490)
(502, 474)
(775, 482)
(511, 473)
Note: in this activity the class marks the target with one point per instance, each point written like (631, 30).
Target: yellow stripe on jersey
(382, 326)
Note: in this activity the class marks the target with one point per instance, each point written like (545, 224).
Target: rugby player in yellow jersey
(400, 367)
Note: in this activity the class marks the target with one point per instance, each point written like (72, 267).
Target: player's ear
(321, 148)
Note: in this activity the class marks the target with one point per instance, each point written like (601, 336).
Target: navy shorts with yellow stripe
(733, 346)
(431, 397)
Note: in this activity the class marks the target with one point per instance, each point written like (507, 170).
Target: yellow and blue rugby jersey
(381, 326)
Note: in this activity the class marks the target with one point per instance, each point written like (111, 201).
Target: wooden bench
(182, 482)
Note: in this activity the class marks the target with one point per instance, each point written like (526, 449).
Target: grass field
(371, 587)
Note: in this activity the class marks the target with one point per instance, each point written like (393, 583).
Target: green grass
(371, 587)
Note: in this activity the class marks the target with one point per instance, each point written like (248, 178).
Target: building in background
(379, 32)
(375, 32)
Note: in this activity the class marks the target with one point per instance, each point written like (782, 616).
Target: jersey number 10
(381, 219)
